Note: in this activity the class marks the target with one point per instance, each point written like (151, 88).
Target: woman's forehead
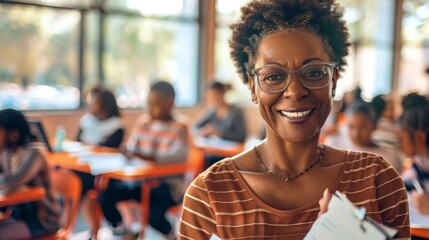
(291, 47)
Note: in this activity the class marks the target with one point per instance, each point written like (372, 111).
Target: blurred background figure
(361, 121)
(22, 164)
(161, 137)
(221, 120)
(101, 126)
(386, 132)
(414, 138)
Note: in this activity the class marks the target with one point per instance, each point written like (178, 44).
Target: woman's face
(360, 128)
(297, 113)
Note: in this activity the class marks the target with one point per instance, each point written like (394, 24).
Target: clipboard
(344, 221)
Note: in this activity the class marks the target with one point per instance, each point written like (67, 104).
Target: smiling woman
(290, 52)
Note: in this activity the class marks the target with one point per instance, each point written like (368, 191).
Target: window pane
(38, 61)
(178, 8)
(140, 51)
(371, 30)
(226, 13)
(91, 60)
(415, 48)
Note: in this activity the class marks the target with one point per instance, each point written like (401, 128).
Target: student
(221, 119)
(386, 132)
(21, 164)
(414, 136)
(290, 53)
(101, 126)
(361, 123)
(157, 136)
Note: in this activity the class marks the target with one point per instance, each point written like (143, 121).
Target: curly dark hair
(415, 113)
(259, 18)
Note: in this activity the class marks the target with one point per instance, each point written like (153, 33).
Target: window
(226, 13)
(39, 57)
(415, 48)
(46, 63)
(140, 50)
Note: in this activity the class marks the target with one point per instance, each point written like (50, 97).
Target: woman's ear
(252, 90)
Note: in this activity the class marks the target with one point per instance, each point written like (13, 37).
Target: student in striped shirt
(22, 164)
(290, 52)
(157, 136)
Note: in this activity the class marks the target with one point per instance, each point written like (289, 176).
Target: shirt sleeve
(198, 218)
(28, 169)
(392, 200)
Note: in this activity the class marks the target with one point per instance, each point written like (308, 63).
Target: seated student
(157, 136)
(414, 136)
(21, 164)
(361, 122)
(386, 132)
(101, 126)
(221, 119)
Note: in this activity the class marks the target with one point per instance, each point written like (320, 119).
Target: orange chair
(195, 165)
(68, 186)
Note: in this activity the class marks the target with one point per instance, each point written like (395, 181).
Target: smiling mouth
(297, 116)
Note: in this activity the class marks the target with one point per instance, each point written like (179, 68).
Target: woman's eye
(314, 74)
(275, 77)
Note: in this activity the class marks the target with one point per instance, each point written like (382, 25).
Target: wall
(70, 119)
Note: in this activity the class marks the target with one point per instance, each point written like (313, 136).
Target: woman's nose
(295, 90)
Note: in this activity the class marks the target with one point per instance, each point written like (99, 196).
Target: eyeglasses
(273, 78)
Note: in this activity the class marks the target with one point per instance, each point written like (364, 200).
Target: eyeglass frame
(255, 71)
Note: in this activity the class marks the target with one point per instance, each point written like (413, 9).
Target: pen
(417, 185)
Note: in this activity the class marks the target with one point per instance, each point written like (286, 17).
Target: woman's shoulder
(217, 173)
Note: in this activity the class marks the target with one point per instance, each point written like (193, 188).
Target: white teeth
(296, 114)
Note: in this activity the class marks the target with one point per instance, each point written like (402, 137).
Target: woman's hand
(324, 201)
(420, 201)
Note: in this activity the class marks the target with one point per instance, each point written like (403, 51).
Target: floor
(81, 231)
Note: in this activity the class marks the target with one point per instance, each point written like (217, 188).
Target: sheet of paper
(341, 223)
(214, 237)
(216, 143)
(417, 219)
(100, 163)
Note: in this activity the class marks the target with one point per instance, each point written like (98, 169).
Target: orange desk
(150, 173)
(146, 172)
(23, 195)
(420, 232)
(67, 160)
(218, 147)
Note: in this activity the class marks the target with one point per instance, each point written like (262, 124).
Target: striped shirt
(27, 166)
(167, 142)
(220, 202)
